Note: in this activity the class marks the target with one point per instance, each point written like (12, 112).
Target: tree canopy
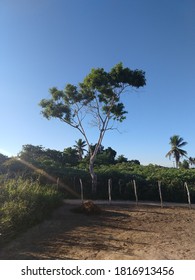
(98, 96)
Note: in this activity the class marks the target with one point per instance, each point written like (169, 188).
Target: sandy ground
(120, 232)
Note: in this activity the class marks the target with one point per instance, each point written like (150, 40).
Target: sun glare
(51, 178)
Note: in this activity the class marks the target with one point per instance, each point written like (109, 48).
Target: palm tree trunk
(177, 158)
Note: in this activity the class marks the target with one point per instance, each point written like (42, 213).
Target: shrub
(24, 203)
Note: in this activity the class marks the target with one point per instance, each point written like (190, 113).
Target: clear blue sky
(47, 43)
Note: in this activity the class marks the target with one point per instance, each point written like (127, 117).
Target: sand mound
(87, 207)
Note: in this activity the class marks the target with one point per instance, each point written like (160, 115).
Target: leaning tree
(98, 97)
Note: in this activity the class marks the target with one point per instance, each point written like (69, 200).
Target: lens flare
(51, 178)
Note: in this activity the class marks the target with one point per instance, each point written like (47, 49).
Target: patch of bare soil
(117, 232)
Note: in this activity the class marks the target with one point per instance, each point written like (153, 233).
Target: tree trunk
(177, 158)
(92, 160)
(93, 176)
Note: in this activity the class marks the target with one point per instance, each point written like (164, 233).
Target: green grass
(23, 204)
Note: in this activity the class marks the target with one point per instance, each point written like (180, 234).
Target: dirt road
(119, 232)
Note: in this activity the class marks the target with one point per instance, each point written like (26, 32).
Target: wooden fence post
(74, 182)
(188, 194)
(57, 183)
(160, 193)
(120, 186)
(109, 189)
(135, 191)
(81, 184)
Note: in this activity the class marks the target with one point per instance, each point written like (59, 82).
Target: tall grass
(24, 203)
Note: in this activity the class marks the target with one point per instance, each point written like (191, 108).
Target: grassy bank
(24, 203)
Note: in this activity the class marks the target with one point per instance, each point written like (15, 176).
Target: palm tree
(80, 147)
(191, 160)
(176, 143)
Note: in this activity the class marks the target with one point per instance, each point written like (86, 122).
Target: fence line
(135, 191)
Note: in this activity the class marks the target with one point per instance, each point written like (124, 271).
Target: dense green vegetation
(147, 177)
(24, 203)
(67, 168)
